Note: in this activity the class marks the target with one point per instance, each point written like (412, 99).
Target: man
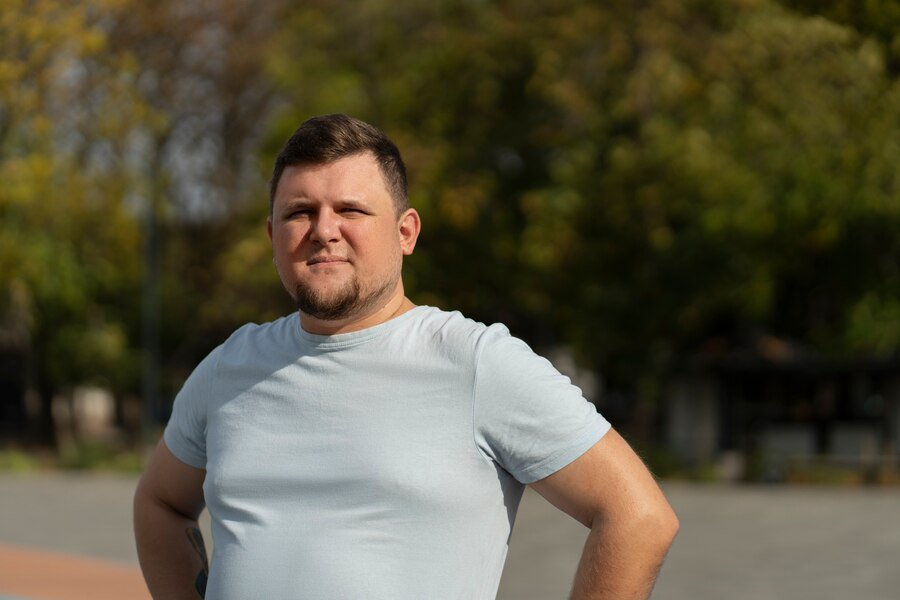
(366, 447)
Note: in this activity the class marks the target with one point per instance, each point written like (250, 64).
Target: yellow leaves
(661, 237)
(461, 203)
(38, 31)
(871, 56)
(252, 254)
(104, 342)
(10, 71)
(245, 275)
(25, 179)
(659, 82)
(42, 46)
(93, 41)
(41, 125)
(551, 231)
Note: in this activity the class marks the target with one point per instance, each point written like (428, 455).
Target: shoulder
(454, 332)
(253, 341)
(247, 350)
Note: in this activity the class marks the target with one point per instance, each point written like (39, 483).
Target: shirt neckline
(352, 338)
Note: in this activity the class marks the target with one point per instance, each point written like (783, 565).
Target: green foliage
(626, 178)
(17, 461)
(68, 247)
(101, 116)
(98, 456)
(80, 456)
(879, 19)
(874, 325)
(636, 177)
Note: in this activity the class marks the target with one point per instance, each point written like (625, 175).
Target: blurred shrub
(824, 474)
(664, 464)
(17, 461)
(100, 456)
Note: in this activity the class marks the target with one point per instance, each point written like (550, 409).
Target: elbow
(140, 498)
(653, 527)
(663, 526)
(671, 526)
(657, 527)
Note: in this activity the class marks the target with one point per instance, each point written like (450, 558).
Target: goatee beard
(346, 303)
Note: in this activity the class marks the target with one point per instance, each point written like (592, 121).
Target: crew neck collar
(352, 338)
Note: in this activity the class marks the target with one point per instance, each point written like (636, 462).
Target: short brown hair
(329, 137)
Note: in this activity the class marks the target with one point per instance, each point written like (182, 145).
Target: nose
(325, 227)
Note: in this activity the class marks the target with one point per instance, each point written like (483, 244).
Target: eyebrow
(302, 202)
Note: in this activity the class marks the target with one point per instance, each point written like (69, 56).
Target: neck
(396, 305)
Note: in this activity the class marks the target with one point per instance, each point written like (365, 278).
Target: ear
(408, 229)
(269, 227)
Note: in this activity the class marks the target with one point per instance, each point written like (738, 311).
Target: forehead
(357, 176)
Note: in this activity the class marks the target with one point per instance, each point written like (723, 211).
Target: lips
(326, 259)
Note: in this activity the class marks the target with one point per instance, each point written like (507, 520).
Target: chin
(328, 303)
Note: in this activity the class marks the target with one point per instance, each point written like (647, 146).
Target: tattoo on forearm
(196, 539)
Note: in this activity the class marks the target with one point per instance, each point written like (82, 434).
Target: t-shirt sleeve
(185, 433)
(528, 417)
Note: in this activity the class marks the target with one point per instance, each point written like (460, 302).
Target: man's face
(337, 241)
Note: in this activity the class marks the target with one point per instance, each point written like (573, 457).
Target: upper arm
(527, 416)
(172, 482)
(609, 481)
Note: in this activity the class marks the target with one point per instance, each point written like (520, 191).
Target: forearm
(171, 551)
(621, 562)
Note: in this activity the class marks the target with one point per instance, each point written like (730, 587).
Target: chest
(346, 446)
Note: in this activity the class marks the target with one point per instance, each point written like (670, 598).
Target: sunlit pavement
(67, 536)
(30, 573)
(735, 543)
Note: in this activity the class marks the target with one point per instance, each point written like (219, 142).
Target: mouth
(318, 260)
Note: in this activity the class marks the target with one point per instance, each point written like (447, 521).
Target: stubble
(348, 301)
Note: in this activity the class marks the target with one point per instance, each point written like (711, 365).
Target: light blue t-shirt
(386, 463)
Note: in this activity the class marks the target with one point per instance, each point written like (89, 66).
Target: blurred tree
(638, 177)
(627, 178)
(200, 66)
(742, 179)
(879, 19)
(122, 122)
(62, 285)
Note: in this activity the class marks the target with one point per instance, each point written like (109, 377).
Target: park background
(692, 208)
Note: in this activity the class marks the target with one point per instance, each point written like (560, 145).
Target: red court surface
(27, 573)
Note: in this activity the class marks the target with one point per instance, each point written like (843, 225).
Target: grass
(95, 456)
(665, 465)
(81, 456)
(17, 461)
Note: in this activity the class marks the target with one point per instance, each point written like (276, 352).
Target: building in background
(764, 406)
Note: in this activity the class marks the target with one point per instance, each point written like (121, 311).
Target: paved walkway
(735, 543)
(74, 532)
(56, 576)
